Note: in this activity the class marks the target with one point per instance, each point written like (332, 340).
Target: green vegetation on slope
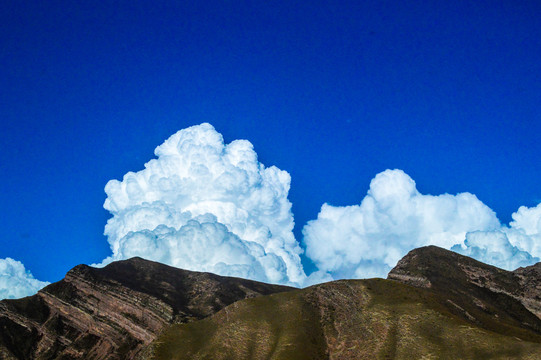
(348, 319)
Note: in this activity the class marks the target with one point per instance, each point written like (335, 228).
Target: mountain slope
(490, 297)
(437, 305)
(347, 319)
(114, 312)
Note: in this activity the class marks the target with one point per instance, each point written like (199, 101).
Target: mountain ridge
(475, 287)
(115, 311)
(435, 304)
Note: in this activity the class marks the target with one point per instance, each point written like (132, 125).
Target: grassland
(348, 319)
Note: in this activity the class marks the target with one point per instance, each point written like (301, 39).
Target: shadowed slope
(490, 297)
(114, 312)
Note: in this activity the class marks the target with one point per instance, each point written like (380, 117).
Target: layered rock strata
(114, 312)
(480, 292)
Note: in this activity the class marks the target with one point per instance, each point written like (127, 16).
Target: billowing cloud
(205, 205)
(16, 281)
(494, 247)
(203, 244)
(209, 206)
(508, 247)
(367, 240)
(525, 229)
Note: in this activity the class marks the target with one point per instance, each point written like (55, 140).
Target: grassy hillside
(349, 319)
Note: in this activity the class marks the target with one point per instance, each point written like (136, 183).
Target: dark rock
(114, 312)
(492, 297)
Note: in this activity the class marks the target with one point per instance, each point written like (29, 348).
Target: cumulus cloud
(367, 240)
(16, 281)
(210, 206)
(525, 229)
(494, 247)
(508, 247)
(206, 205)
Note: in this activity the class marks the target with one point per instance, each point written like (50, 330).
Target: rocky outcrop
(114, 312)
(529, 279)
(480, 292)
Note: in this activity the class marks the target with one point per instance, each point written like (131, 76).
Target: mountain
(114, 312)
(436, 305)
(490, 297)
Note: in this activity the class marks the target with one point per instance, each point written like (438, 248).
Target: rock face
(529, 279)
(486, 295)
(114, 312)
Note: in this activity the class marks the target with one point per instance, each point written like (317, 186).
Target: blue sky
(332, 92)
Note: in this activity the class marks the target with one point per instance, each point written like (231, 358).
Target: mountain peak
(474, 289)
(115, 311)
(423, 265)
(435, 300)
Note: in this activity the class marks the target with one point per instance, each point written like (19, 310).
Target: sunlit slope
(349, 319)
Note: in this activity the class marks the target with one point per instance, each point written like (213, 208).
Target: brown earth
(486, 295)
(344, 320)
(437, 305)
(114, 312)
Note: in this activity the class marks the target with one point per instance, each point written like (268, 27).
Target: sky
(377, 109)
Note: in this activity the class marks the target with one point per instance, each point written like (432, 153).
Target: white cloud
(525, 229)
(16, 281)
(494, 247)
(205, 205)
(508, 247)
(527, 220)
(203, 244)
(367, 240)
(162, 212)
(209, 206)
